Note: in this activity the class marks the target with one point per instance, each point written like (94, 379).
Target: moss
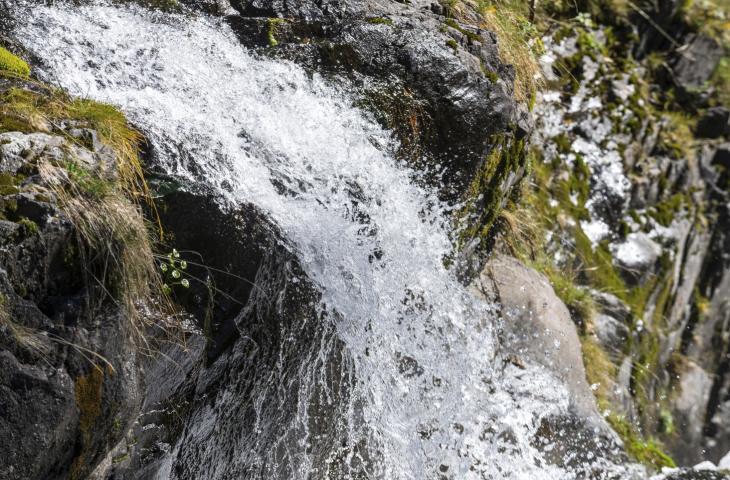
(380, 21)
(452, 44)
(485, 197)
(28, 227)
(90, 183)
(396, 108)
(646, 451)
(273, 25)
(474, 37)
(600, 370)
(721, 81)
(11, 64)
(665, 211)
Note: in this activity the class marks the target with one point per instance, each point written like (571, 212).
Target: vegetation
(12, 64)
(519, 40)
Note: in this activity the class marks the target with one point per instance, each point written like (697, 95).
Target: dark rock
(216, 416)
(689, 474)
(714, 123)
(722, 156)
(61, 405)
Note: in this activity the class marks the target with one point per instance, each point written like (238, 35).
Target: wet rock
(690, 474)
(714, 123)
(538, 328)
(406, 47)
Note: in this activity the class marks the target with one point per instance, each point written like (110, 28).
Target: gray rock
(696, 62)
(638, 253)
(538, 328)
(689, 408)
(18, 148)
(611, 334)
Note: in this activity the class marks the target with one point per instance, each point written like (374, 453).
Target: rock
(538, 328)
(689, 409)
(694, 64)
(60, 404)
(398, 57)
(611, 305)
(611, 334)
(722, 156)
(724, 463)
(638, 253)
(706, 465)
(18, 148)
(714, 123)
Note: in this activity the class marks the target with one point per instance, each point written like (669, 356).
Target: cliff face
(626, 212)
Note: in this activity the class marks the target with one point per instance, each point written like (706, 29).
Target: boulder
(537, 328)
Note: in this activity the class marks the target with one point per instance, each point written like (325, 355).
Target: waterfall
(371, 239)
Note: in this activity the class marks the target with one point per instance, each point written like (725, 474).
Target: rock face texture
(69, 382)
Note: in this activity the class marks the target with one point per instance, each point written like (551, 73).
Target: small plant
(172, 271)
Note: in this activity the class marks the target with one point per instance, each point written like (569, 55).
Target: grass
(519, 41)
(29, 111)
(104, 203)
(646, 451)
(10, 63)
(114, 243)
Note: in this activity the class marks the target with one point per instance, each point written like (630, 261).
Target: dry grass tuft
(113, 238)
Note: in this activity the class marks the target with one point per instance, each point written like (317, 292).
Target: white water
(218, 114)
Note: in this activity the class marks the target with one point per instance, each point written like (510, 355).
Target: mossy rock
(13, 64)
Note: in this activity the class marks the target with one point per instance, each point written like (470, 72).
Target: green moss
(380, 21)
(273, 25)
(29, 227)
(646, 451)
(490, 74)
(89, 183)
(12, 64)
(469, 34)
(484, 197)
(665, 211)
(721, 81)
(120, 458)
(452, 43)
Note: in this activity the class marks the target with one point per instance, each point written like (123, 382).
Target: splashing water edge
(265, 132)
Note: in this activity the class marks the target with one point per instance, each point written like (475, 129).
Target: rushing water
(268, 133)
